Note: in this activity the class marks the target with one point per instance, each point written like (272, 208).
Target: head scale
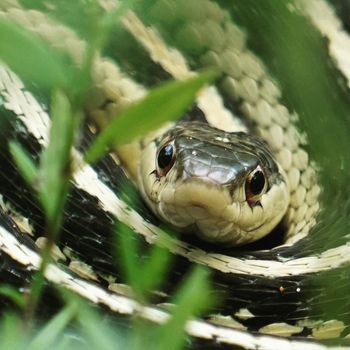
(226, 187)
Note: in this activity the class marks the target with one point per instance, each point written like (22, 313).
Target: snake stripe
(255, 282)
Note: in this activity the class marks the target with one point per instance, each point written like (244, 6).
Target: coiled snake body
(268, 292)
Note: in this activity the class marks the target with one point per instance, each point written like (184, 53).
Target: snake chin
(213, 217)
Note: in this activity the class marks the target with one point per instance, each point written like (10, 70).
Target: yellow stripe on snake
(271, 297)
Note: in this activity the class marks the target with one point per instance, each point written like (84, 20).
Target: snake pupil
(165, 158)
(257, 182)
(255, 186)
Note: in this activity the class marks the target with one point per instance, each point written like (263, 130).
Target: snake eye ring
(255, 186)
(165, 158)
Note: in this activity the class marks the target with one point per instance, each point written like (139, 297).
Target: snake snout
(201, 197)
(195, 203)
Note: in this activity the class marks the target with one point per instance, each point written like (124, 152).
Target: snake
(235, 170)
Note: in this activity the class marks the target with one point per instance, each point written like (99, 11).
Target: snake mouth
(216, 215)
(198, 204)
(202, 194)
(257, 227)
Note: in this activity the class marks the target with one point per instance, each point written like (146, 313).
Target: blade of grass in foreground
(13, 294)
(12, 335)
(162, 104)
(98, 334)
(54, 172)
(146, 275)
(42, 64)
(54, 177)
(50, 180)
(25, 164)
(48, 335)
(193, 298)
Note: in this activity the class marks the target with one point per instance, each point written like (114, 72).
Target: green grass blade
(49, 334)
(155, 268)
(13, 294)
(31, 57)
(193, 298)
(109, 20)
(127, 250)
(24, 163)
(55, 160)
(10, 329)
(162, 104)
(53, 178)
(97, 334)
(143, 273)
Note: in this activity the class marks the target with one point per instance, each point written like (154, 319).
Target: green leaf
(109, 20)
(155, 267)
(55, 169)
(13, 294)
(49, 334)
(162, 104)
(11, 328)
(94, 331)
(31, 57)
(147, 276)
(193, 298)
(24, 163)
(97, 334)
(127, 250)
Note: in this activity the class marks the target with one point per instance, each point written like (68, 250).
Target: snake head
(225, 187)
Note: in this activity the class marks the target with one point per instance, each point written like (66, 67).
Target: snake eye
(255, 186)
(165, 158)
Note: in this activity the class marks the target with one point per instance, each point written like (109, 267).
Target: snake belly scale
(267, 291)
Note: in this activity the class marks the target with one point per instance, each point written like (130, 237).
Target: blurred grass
(40, 57)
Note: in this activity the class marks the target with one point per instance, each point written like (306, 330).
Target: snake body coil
(268, 292)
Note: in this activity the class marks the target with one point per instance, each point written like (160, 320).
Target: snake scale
(271, 298)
